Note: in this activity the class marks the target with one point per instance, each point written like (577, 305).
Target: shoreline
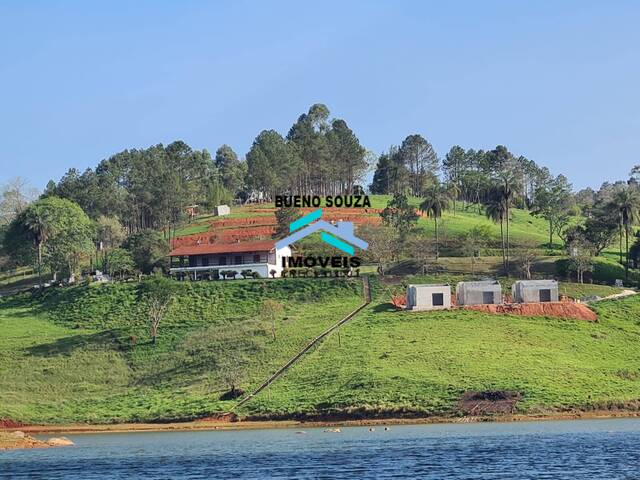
(224, 425)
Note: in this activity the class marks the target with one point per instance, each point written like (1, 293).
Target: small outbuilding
(486, 292)
(428, 297)
(535, 291)
(221, 210)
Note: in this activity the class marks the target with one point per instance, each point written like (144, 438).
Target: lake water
(594, 449)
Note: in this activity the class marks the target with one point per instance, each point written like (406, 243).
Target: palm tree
(38, 222)
(627, 203)
(453, 189)
(436, 200)
(507, 193)
(495, 210)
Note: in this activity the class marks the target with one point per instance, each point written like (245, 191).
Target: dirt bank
(248, 424)
(576, 311)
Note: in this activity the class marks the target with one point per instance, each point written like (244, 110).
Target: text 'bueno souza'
(302, 201)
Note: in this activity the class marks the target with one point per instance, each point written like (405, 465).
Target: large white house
(204, 260)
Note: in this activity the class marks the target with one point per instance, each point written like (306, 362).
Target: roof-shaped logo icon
(339, 235)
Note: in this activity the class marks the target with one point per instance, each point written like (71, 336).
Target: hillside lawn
(82, 354)
(71, 358)
(390, 363)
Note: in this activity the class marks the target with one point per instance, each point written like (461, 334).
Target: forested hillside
(119, 217)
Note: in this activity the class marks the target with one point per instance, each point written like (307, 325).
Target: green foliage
(217, 194)
(157, 293)
(110, 232)
(604, 270)
(554, 202)
(119, 262)
(389, 175)
(145, 188)
(230, 172)
(268, 163)
(52, 231)
(285, 216)
(149, 250)
(400, 215)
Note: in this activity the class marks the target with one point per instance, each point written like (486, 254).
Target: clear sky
(556, 81)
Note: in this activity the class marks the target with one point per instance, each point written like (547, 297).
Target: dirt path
(624, 293)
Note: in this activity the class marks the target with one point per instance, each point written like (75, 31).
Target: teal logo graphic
(339, 235)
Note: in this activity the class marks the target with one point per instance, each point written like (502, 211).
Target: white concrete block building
(486, 292)
(535, 291)
(428, 297)
(221, 210)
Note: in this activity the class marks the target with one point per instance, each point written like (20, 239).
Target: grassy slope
(422, 362)
(70, 357)
(523, 225)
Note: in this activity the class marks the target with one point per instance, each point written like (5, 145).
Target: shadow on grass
(68, 345)
(384, 307)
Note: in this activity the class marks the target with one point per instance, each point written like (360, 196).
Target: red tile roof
(240, 247)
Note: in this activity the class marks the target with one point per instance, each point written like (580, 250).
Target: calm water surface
(597, 449)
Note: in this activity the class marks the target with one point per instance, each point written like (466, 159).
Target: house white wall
(205, 263)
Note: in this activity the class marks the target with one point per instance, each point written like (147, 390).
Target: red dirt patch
(576, 311)
(487, 403)
(10, 424)
(399, 301)
(220, 417)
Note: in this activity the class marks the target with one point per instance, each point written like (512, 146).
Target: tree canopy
(52, 232)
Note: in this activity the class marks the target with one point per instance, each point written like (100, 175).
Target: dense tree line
(133, 194)
(470, 174)
(144, 189)
(150, 188)
(317, 157)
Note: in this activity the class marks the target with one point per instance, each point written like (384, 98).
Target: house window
(545, 295)
(205, 261)
(487, 298)
(256, 258)
(437, 299)
(222, 261)
(192, 261)
(238, 260)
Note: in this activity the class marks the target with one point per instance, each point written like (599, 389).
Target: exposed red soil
(399, 301)
(222, 417)
(331, 210)
(489, 403)
(234, 230)
(576, 311)
(8, 423)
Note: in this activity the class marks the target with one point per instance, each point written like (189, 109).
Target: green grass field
(82, 354)
(71, 357)
(403, 363)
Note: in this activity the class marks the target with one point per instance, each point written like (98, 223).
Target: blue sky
(558, 82)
